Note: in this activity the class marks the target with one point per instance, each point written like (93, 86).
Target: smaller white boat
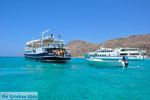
(108, 63)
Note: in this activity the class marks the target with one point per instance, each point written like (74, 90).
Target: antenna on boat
(43, 35)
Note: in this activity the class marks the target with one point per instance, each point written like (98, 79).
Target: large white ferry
(106, 57)
(114, 57)
(47, 48)
(118, 53)
(131, 53)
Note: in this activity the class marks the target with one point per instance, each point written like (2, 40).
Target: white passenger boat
(131, 53)
(106, 57)
(47, 49)
(114, 57)
(118, 53)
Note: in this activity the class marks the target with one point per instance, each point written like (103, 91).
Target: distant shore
(141, 41)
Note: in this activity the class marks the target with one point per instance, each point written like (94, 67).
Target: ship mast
(42, 42)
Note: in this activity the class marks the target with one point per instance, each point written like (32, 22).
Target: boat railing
(55, 46)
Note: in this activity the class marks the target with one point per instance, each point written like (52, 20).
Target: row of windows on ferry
(129, 54)
(120, 50)
(121, 54)
(97, 55)
(49, 50)
(50, 45)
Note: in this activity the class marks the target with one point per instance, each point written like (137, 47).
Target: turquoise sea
(75, 80)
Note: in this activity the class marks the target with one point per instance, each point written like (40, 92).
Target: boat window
(91, 54)
(106, 51)
(134, 53)
(34, 51)
(95, 54)
(123, 54)
(48, 50)
(123, 50)
(129, 49)
(100, 55)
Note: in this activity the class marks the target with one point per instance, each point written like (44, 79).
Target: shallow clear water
(76, 80)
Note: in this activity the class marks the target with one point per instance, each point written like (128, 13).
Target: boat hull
(47, 58)
(107, 63)
(129, 58)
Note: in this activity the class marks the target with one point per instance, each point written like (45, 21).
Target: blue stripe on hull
(46, 57)
(37, 55)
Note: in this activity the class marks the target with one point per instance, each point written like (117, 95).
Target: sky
(90, 20)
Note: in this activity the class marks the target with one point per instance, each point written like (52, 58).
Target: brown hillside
(78, 47)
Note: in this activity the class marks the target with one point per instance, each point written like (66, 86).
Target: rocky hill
(79, 48)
